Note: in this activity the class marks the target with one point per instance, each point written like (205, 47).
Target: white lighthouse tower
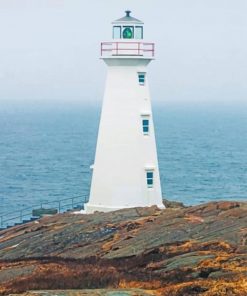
(125, 171)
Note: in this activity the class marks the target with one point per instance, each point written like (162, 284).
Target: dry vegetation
(199, 250)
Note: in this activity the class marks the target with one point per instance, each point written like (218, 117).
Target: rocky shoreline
(198, 250)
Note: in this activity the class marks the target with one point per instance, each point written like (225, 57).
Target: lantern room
(127, 40)
(128, 27)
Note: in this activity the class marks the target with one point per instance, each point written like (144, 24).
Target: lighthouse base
(90, 208)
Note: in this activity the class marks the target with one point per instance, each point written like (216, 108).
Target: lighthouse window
(150, 179)
(116, 32)
(145, 126)
(141, 77)
(138, 32)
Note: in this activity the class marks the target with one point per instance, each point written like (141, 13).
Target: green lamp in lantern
(127, 33)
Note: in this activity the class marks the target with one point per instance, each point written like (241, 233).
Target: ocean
(46, 150)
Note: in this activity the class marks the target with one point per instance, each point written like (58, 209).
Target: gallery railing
(143, 49)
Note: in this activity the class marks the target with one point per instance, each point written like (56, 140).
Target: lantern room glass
(138, 32)
(117, 32)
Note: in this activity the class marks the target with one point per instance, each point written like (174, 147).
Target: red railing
(127, 49)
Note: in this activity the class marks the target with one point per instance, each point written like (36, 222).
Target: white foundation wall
(123, 152)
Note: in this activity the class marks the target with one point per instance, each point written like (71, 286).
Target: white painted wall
(123, 153)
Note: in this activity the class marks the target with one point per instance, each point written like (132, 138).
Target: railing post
(59, 206)
(1, 221)
(21, 216)
(72, 203)
(101, 49)
(139, 48)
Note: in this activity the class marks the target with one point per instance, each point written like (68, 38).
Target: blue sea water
(46, 151)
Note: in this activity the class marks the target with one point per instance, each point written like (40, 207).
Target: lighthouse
(125, 170)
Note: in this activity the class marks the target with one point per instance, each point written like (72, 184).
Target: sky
(49, 49)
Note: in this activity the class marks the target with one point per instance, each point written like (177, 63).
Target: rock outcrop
(199, 250)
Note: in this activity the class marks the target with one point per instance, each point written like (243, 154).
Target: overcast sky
(49, 49)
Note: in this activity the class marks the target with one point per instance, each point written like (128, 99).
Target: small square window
(145, 129)
(145, 126)
(141, 78)
(150, 179)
